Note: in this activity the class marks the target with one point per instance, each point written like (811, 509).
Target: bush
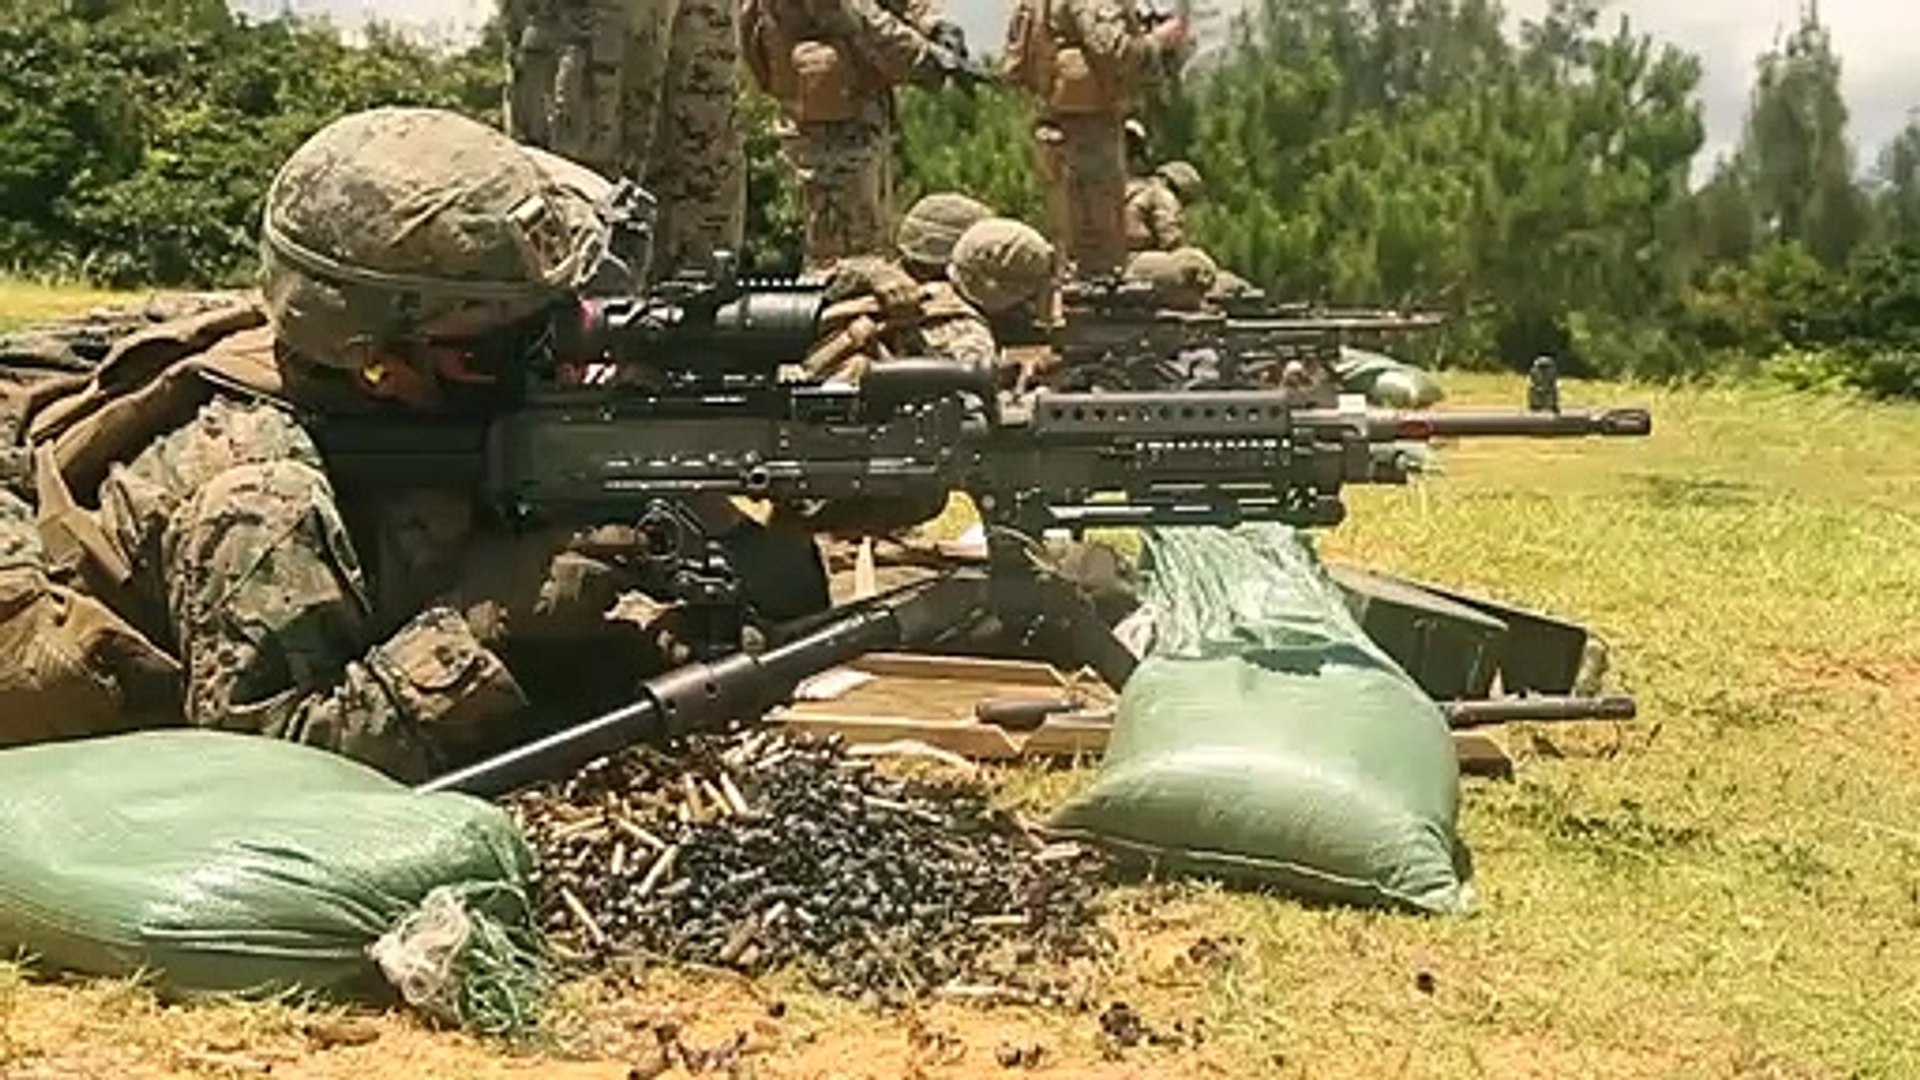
(137, 137)
(1878, 372)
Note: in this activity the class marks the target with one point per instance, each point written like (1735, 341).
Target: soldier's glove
(896, 291)
(1170, 37)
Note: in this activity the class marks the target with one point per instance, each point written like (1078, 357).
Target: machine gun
(956, 62)
(645, 405)
(1116, 335)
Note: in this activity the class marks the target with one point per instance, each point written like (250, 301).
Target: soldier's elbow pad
(441, 677)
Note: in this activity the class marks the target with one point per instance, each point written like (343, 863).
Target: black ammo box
(1460, 647)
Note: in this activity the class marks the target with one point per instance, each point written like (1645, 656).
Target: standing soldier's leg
(700, 172)
(845, 175)
(1050, 160)
(1094, 163)
(564, 87)
(533, 54)
(644, 95)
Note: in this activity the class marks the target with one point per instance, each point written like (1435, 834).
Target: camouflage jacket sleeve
(924, 15)
(1165, 220)
(965, 338)
(235, 533)
(1112, 37)
(892, 44)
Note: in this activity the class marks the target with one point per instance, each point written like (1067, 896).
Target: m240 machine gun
(1117, 335)
(667, 421)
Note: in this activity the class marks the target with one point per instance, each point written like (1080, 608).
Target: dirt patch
(664, 1025)
(1540, 1057)
(1898, 676)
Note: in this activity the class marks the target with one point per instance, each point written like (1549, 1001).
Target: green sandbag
(1385, 381)
(1265, 739)
(219, 863)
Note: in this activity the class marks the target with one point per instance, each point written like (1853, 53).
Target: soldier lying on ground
(1000, 272)
(999, 276)
(191, 560)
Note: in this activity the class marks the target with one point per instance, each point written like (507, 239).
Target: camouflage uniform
(223, 538)
(1153, 218)
(642, 90)
(1082, 150)
(879, 308)
(1154, 215)
(879, 311)
(844, 164)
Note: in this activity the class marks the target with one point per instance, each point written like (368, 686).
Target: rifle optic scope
(753, 328)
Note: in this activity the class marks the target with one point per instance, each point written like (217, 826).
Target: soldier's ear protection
(384, 373)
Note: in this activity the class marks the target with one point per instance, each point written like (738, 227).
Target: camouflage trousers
(69, 666)
(641, 90)
(845, 172)
(1083, 163)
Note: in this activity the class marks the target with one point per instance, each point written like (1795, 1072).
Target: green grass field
(1729, 886)
(23, 303)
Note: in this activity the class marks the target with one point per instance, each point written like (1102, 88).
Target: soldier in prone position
(964, 278)
(1155, 214)
(642, 90)
(191, 558)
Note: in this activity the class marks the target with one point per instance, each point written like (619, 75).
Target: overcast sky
(1878, 40)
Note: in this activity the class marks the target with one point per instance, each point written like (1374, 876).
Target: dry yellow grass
(23, 303)
(1728, 887)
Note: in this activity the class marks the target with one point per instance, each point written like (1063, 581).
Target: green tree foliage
(1801, 269)
(1530, 179)
(1896, 199)
(1410, 151)
(137, 137)
(1796, 152)
(980, 143)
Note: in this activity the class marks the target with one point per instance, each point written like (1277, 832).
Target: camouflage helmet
(933, 225)
(400, 224)
(1000, 263)
(1184, 179)
(1180, 278)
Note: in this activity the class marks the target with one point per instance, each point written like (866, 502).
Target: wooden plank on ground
(1481, 754)
(931, 699)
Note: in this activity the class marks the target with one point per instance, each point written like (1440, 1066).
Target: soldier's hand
(1171, 35)
(896, 291)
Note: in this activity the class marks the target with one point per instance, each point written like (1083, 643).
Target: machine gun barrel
(704, 696)
(1049, 461)
(1573, 424)
(1473, 714)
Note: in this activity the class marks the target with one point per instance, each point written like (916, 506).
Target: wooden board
(931, 699)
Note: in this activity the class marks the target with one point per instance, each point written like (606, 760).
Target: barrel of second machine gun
(1384, 426)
